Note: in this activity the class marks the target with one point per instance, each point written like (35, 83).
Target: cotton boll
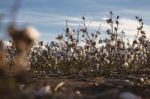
(132, 57)
(32, 33)
(126, 65)
(113, 43)
(23, 38)
(107, 61)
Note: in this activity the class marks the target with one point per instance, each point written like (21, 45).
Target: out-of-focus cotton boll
(126, 65)
(107, 61)
(32, 33)
(23, 38)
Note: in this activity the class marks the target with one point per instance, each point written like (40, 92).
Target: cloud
(43, 18)
(129, 26)
(126, 24)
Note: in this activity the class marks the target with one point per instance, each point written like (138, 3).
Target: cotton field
(114, 53)
(79, 65)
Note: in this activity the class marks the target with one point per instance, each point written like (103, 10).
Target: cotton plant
(115, 52)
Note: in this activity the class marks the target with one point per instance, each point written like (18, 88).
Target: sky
(49, 16)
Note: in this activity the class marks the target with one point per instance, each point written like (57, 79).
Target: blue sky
(49, 16)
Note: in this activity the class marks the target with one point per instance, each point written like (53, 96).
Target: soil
(86, 86)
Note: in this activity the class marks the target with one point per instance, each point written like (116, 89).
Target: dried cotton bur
(24, 39)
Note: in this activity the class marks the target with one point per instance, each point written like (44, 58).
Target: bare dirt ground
(86, 86)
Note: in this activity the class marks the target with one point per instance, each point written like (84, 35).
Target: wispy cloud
(53, 19)
(43, 18)
(129, 26)
(39, 18)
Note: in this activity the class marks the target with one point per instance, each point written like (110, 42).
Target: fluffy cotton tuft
(32, 33)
